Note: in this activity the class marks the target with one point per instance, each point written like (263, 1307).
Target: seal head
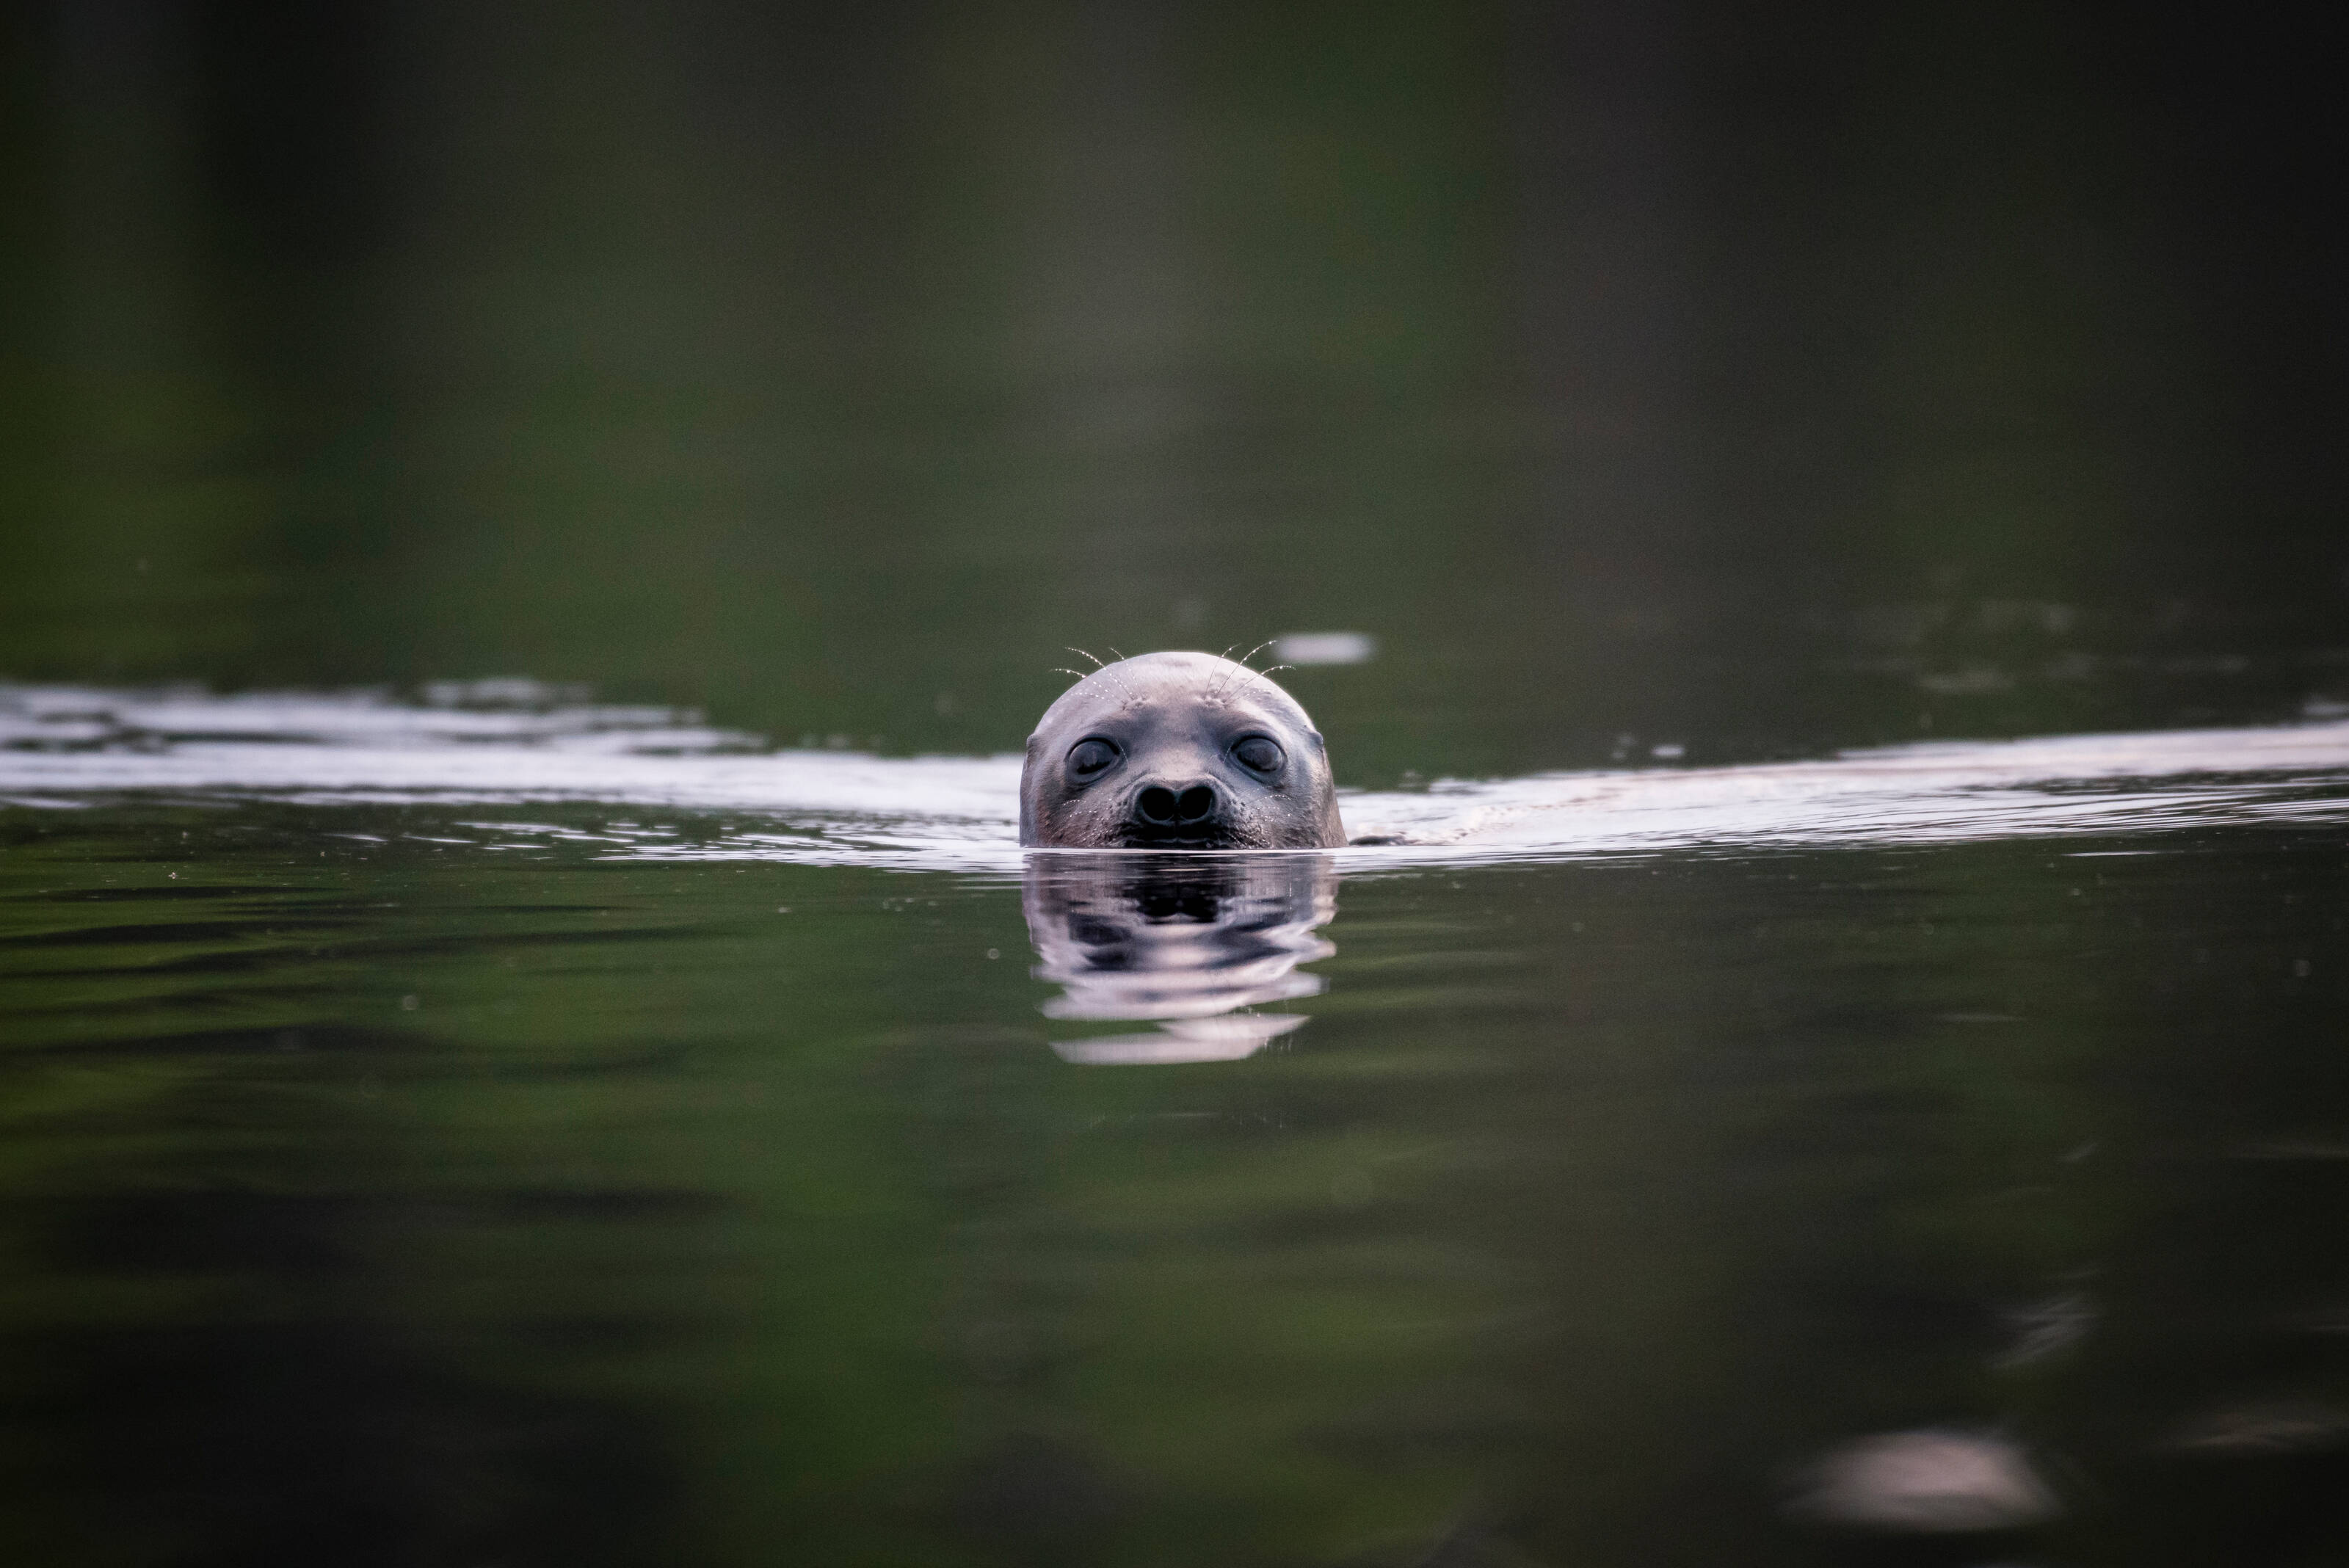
(1177, 751)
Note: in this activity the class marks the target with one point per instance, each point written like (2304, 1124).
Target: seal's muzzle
(1177, 751)
(1188, 811)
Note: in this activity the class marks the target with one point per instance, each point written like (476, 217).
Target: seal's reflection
(1180, 941)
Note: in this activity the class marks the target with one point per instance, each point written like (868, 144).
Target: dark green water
(1756, 378)
(437, 1148)
(402, 1203)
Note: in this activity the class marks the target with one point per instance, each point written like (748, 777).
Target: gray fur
(1174, 718)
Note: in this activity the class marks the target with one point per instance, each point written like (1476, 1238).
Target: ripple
(516, 742)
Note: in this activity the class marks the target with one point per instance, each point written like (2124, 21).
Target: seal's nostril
(1194, 804)
(1156, 805)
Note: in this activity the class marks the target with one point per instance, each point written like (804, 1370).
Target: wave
(506, 744)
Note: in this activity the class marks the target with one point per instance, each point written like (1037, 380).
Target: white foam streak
(1911, 795)
(69, 746)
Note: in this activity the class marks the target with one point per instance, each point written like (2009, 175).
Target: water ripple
(516, 743)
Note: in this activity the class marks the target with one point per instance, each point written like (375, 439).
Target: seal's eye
(1090, 758)
(1259, 753)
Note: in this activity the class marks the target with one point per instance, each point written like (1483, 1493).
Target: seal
(1177, 751)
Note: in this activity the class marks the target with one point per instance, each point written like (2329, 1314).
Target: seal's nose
(1160, 806)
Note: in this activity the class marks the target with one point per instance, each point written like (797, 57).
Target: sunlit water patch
(516, 743)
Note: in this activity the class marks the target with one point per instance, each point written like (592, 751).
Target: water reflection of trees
(1193, 943)
(792, 373)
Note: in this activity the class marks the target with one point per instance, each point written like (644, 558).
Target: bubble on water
(2286, 1426)
(2045, 1328)
(1926, 1481)
(1325, 647)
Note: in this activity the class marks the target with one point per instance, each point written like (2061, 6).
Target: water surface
(501, 1126)
(1814, 534)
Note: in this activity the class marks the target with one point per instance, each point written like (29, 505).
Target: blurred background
(1751, 379)
(416, 1180)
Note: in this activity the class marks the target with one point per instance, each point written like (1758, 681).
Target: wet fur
(1172, 715)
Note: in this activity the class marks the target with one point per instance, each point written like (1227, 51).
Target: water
(512, 742)
(506, 1127)
(1812, 535)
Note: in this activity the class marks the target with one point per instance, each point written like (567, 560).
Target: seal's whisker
(1064, 670)
(1220, 687)
(1242, 661)
(1117, 677)
(1094, 657)
(1151, 710)
(1256, 675)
